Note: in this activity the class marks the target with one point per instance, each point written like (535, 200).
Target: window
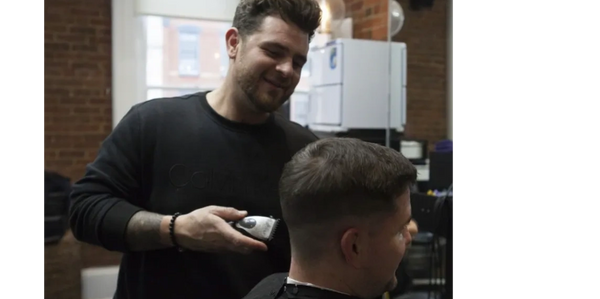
(184, 56)
(147, 49)
(189, 51)
(183, 92)
(156, 93)
(224, 56)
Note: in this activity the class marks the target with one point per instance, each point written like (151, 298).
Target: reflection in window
(189, 51)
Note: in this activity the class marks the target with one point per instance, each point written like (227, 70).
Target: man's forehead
(281, 39)
(275, 28)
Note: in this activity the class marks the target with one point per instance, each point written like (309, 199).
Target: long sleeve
(102, 201)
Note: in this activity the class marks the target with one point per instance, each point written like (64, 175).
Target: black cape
(275, 286)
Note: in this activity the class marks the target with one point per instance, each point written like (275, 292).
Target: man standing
(176, 170)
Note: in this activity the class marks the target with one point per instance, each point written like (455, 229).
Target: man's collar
(296, 282)
(298, 289)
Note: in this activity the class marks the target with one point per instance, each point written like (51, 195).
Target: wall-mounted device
(349, 86)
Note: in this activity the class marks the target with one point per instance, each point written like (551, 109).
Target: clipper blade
(273, 229)
(258, 227)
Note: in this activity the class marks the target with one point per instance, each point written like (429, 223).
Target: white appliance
(349, 86)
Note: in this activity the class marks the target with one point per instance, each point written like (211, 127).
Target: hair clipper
(258, 227)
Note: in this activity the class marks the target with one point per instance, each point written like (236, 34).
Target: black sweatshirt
(178, 155)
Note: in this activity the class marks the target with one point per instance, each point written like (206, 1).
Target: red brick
(356, 6)
(424, 32)
(77, 63)
(71, 153)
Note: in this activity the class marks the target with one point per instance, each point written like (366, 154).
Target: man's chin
(269, 106)
(392, 284)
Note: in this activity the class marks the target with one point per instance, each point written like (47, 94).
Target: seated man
(346, 204)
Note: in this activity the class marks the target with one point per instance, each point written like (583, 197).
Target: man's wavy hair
(249, 14)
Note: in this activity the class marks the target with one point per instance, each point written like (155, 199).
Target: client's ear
(353, 245)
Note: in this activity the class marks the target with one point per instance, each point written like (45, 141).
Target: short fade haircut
(249, 14)
(334, 180)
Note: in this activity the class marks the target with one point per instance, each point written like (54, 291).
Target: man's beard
(262, 102)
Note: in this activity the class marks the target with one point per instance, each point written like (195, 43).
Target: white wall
(99, 282)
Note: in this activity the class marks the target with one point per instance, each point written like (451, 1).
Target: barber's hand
(206, 229)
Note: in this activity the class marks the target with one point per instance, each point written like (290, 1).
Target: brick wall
(424, 33)
(77, 100)
(62, 269)
(369, 18)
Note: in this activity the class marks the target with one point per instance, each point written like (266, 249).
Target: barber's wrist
(165, 236)
(175, 233)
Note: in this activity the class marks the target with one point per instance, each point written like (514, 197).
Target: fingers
(227, 213)
(241, 243)
(230, 238)
(247, 245)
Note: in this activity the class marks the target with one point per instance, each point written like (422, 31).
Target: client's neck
(321, 275)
